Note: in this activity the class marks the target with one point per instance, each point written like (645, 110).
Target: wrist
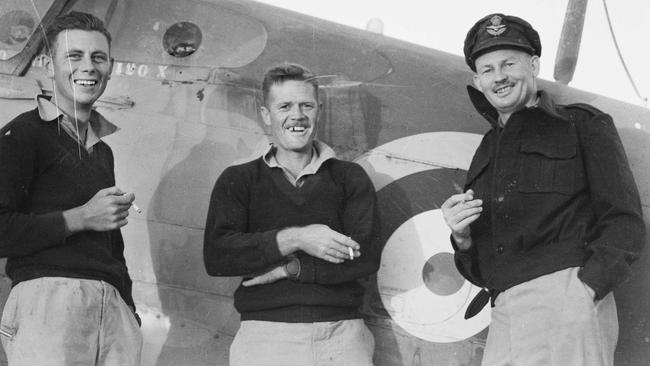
(292, 268)
(287, 243)
(462, 242)
(73, 219)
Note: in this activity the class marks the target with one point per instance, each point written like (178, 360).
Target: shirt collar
(320, 154)
(544, 103)
(100, 126)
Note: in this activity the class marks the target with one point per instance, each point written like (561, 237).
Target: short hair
(285, 72)
(74, 20)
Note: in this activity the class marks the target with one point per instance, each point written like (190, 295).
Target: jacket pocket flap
(564, 148)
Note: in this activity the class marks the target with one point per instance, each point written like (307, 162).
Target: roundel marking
(439, 276)
(417, 281)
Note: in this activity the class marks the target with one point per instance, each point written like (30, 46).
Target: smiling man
(61, 214)
(550, 220)
(297, 224)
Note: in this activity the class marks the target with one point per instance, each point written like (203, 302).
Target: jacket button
(500, 249)
(500, 198)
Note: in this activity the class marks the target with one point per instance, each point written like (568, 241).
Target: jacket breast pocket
(549, 165)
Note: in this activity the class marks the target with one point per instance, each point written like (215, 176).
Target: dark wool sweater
(251, 202)
(42, 175)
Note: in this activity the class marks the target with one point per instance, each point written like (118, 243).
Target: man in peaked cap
(550, 220)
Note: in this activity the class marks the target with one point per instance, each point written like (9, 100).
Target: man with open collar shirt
(61, 214)
(550, 220)
(297, 224)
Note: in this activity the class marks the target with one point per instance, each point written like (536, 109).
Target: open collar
(484, 108)
(99, 126)
(320, 154)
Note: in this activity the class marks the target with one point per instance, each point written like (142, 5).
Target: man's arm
(106, 210)
(459, 211)
(228, 249)
(619, 225)
(22, 234)
(359, 218)
(25, 233)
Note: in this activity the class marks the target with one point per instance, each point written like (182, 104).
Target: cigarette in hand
(351, 253)
(135, 207)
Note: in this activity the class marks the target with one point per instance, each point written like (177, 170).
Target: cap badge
(496, 28)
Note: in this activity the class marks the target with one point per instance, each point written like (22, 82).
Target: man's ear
(266, 115)
(477, 83)
(535, 65)
(110, 72)
(48, 62)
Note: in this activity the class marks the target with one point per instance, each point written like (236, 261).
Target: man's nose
(499, 75)
(86, 64)
(297, 112)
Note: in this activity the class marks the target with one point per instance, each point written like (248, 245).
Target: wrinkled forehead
(287, 90)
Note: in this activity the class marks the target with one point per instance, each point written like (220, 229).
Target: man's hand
(106, 210)
(319, 241)
(271, 276)
(459, 211)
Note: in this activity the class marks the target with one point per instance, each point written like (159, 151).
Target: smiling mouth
(86, 82)
(503, 90)
(296, 129)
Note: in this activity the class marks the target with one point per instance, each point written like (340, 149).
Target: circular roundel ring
(418, 283)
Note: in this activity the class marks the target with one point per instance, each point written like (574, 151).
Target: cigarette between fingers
(134, 206)
(351, 253)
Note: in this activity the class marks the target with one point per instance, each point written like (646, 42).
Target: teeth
(85, 82)
(503, 90)
(297, 129)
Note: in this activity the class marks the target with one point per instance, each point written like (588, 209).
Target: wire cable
(620, 56)
(47, 47)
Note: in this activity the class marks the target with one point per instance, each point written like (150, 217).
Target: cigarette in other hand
(351, 253)
(135, 207)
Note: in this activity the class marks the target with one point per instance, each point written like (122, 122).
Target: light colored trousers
(339, 343)
(65, 321)
(552, 321)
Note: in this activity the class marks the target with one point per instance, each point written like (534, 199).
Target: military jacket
(557, 192)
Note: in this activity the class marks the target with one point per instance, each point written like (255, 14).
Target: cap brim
(497, 43)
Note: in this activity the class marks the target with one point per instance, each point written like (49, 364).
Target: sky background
(443, 25)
